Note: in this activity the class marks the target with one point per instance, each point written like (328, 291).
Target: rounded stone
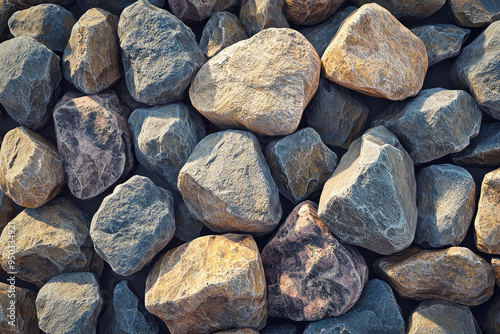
(487, 223)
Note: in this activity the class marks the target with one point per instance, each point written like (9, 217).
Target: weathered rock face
(24, 315)
(300, 164)
(133, 224)
(164, 137)
(309, 274)
(30, 3)
(310, 12)
(474, 13)
(31, 172)
(7, 8)
(446, 121)
(94, 141)
(376, 311)
(257, 15)
(280, 329)
(212, 277)
(227, 185)
(69, 303)
(91, 60)
(407, 10)
(113, 6)
(483, 150)
(199, 10)
(30, 80)
(6, 209)
(262, 84)
(453, 274)
(477, 70)
(442, 41)
(222, 30)
(336, 113)
(187, 227)
(495, 263)
(373, 53)
(351, 205)
(157, 73)
(446, 203)
(487, 223)
(491, 320)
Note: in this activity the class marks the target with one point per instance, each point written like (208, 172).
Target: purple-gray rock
(157, 73)
(113, 6)
(94, 141)
(23, 4)
(133, 224)
(407, 9)
(187, 227)
(6, 209)
(433, 124)
(193, 11)
(474, 13)
(491, 318)
(257, 15)
(7, 8)
(29, 84)
(483, 150)
(280, 329)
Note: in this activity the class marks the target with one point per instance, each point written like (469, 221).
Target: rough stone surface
(309, 274)
(22, 4)
(199, 10)
(257, 15)
(262, 84)
(453, 274)
(351, 205)
(300, 164)
(69, 304)
(97, 158)
(376, 311)
(495, 263)
(446, 121)
(187, 227)
(157, 73)
(446, 203)
(280, 329)
(30, 80)
(164, 137)
(483, 150)
(305, 12)
(91, 60)
(6, 209)
(491, 320)
(31, 172)
(212, 277)
(487, 223)
(7, 8)
(474, 13)
(407, 10)
(373, 53)
(25, 311)
(226, 184)
(133, 224)
(336, 113)
(113, 6)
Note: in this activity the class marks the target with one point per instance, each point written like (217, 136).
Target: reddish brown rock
(257, 15)
(306, 12)
(22, 313)
(407, 9)
(487, 223)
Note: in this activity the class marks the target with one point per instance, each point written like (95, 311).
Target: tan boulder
(23, 313)
(487, 223)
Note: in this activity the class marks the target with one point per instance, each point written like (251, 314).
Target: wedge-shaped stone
(222, 30)
(17, 306)
(407, 9)
(487, 223)
(474, 13)
(257, 15)
(199, 10)
(483, 150)
(306, 12)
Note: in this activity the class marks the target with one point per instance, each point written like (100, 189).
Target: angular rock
(239, 331)
(31, 172)
(483, 150)
(300, 164)
(91, 60)
(113, 6)
(376, 311)
(336, 113)
(446, 204)
(198, 10)
(304, 12)
(491, 319)
(442, 41)
(24, 310)
(474, 13)
(133, 224)
(164, 137)
(351, 205)
(222, 30)
(280, 329)
(47, 23)
(29, 84)
(212, 277)
(7, 8)
(262, 84)
(227, 185)
(69, 303)
(309, 274)
(187, 227)
(6, 209)
(446, 121)
(257, 15)
(94, 141)
(373, 53)
(453, 274)
(487, 223)
(495, 263)
(157, 73)
(22, 4)
(407, 10)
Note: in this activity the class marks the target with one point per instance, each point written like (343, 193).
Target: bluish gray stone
(280, 329)
(474, 13)
(483, 150)
(199, 10)
(113, 6)
(187, 227)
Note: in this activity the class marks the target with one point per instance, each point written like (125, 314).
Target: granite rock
(491, 319)
(257, 15)
(305, 12)
(483, 150)
(487, 223)
(280, 329)
(7, 8)
(22, 313)
(474, 13)
(187, 227)
(113, 6)
(407, 9)
(193, 11)
(6, 209)
(495, 263)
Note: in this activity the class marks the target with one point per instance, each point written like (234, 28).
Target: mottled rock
(257, 15)
(262, 84)
(187, 227)
(199, 10)
(491, 319)
(239, 331)
(157, 73)
(407, 10)
(94, 141)
(29, 84)
(305, 12)
(222, 30)
(6, 209)
(91, 60)
(226, 184)
(351, 205)
(453, 274)
(7, 8)
(446, 121)
(113, 6)
(30, 3)
(212, 277)
(474, 13)
(376, 311)
(164, 137)
(483, 150)
(69, 304)
(373, 53)
(495, 263)
(280, 329)
(487, 223)
(336, 113)
(22, 313)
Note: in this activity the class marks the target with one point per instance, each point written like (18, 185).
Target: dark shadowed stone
(351, 205)
(113, 6)
(376, 311)
(306, 12)
(187, 227)
(133, 224)
(30, 80)
(24, 314)
(6, 10)
(94, 141)
(446, 121)
(157, 73)
(239, 331)
(22, 4)
(487, 222)
(483, 150)
(257, 15)
(309, 274)
(199, 10)
(6, 209)
(474, 13)
(495, 263)
(407, 9)
(491, 319)
(336, 113)
(280, 329)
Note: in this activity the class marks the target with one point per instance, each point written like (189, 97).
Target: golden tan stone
(487, 223)
(23, 314)
(495, 263)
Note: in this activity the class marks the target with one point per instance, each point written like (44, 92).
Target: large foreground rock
(483, 150)
(22, 313)
(113, 6)
(304, 12)
(407, 9)
(487, 223)
(474, 13)
(257, 15)
(193, 11)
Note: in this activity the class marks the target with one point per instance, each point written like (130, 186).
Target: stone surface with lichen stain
(474, 13)
(407, 9)
(487, 223)
(257, 15)
(307, 12)
(193, 11)
(26, 321)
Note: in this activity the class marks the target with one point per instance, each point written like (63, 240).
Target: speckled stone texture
(198, 10)
(373, 53)
(187, 227)
(487, 223)
(262, 84)
(7, 8)
(25, 310)
(257, 15)
(491, 319)
(483, 150)
(212, 277)
(280, 329)
(407, 9)
(113, 6)
(309, 274)
(306, 12)
(474, 13)
(6, 209)
(222, 30)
